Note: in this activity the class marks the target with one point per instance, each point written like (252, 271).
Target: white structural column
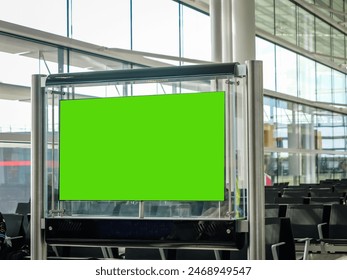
(221, 31)
(243, 50)
(216, 30)
(243, 30)
(227, 37)
(238, 45)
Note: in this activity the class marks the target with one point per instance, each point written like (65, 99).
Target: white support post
(243, 30)
(216, 30)
(227, 36)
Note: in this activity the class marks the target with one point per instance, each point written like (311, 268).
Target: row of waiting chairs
(306, 195)
(322, 183)
(323, 226)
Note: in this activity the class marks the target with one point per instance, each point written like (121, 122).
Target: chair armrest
(8, 239)
(320, 230)
(15, 237)
(321, 237)
(274, 249)
(307, 241)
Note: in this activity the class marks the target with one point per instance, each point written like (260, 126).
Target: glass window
(324, 85)
(44, 15)
(338, 42)
(323, 6)
(26, 66)
(264, 15)
(339, 132)
(156, 26)
(196, 38)
(14, 175)
(324, 124)
(286, 132)
(102, 22)
(337, 5)
(308, 169)
(299, 140)
(307, 78)
(339, 87)
(10, 120)
(26, 58)
(286, 75)
(285, 20)
(84, 62)
(305, 30)
(265, 51)
(323, 38)
(81, 62)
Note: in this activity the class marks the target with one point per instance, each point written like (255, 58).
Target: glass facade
(290, 73)
(169, 28)
(104, 22)
(49, 16)
(303, 144)
(157, 30)
(304, 55)
(313, 26)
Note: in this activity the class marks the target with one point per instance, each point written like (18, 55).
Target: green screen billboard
(158, 147)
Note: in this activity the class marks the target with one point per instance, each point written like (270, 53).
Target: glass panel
(234, 204)
(323, 6)
(285, 20)
(338, 51)
(285, 132)
(327, 165)
(44, 15)
(337, 5)
(83, 62)
(339, 133)
(239, 156)
(25, 55)
(264, 15)
(339, 87)
(15, 114)
(286, 76)
(324, 83)
(265, 51)
(270, 166)
(308, 172)
(286, 168)
(323, 38)
(10, 120)
(308, 144)
(102, 22)
(14, 173)
(306, 30)
(341, 171)
(153, 31)
(196, 35)
(323, 122)
(307, 78)
(269, 121)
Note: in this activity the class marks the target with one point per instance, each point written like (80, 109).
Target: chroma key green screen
(158, 147)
